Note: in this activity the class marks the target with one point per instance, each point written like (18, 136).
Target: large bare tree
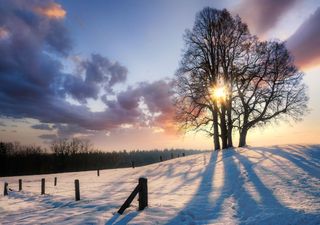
(212, 48)
(258, 79)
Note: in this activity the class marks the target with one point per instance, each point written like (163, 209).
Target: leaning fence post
(5, 190)
(127, 203)
(43, 186)
(77, 190)
(98, 172)
(20, 185)
(55, 181)
(143, 193)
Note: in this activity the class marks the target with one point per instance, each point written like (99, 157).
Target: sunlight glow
(219, 93)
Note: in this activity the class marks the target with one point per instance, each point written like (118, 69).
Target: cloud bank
(33, 84)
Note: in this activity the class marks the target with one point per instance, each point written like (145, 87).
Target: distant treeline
(74, 155)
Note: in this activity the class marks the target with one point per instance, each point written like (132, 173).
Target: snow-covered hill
(274, 185)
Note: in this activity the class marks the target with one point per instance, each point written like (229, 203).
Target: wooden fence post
(20, 185)
(55, 181)
(143, 193)
(5, 190)
(142, 189)
(160, 158)
(132, 163)
(171, 155)
(183, 154)
(98, 172)
(43, 186)
(77, 190)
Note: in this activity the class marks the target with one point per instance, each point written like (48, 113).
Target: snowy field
(274, 185)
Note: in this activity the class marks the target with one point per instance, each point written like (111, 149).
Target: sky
(101, 70)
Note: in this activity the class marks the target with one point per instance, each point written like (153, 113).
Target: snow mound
(254, 185)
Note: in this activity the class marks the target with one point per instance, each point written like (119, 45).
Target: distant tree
(17, 159)
(73, 146)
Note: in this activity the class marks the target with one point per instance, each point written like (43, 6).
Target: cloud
(42, 126)
(51, 10)
(157, 97)
(68, 130)
(94, 73)
(123, 111)
(262, 15)
(305, 42)
(48, 137)
(33, 84)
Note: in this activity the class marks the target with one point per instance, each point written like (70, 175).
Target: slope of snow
(274, 185)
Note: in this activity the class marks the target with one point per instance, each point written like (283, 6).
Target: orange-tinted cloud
(305, 42)
(52, 11)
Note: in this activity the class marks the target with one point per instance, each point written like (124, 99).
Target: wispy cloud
(305, 42)
(262, 15)
(42, 126)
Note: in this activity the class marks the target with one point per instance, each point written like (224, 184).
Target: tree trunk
(223, 126)
(243, 137)
(230, 125)
(215, 130)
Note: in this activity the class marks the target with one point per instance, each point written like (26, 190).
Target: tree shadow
(234, 200)
(270, 209)
(201, 196)
(299, 161)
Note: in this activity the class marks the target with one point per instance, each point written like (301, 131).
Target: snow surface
(255, 185)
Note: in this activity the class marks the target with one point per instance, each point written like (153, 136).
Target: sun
(219, 93)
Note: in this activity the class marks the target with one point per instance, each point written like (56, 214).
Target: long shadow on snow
(201, 200)
(269, 210)
(301, 162)
(200, 210)
(313, 151)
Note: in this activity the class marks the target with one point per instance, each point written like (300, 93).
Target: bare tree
(212, 48)
(270, 88)
(70, 147)
(260, 81)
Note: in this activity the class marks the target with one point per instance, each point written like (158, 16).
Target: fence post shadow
(126, 219)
